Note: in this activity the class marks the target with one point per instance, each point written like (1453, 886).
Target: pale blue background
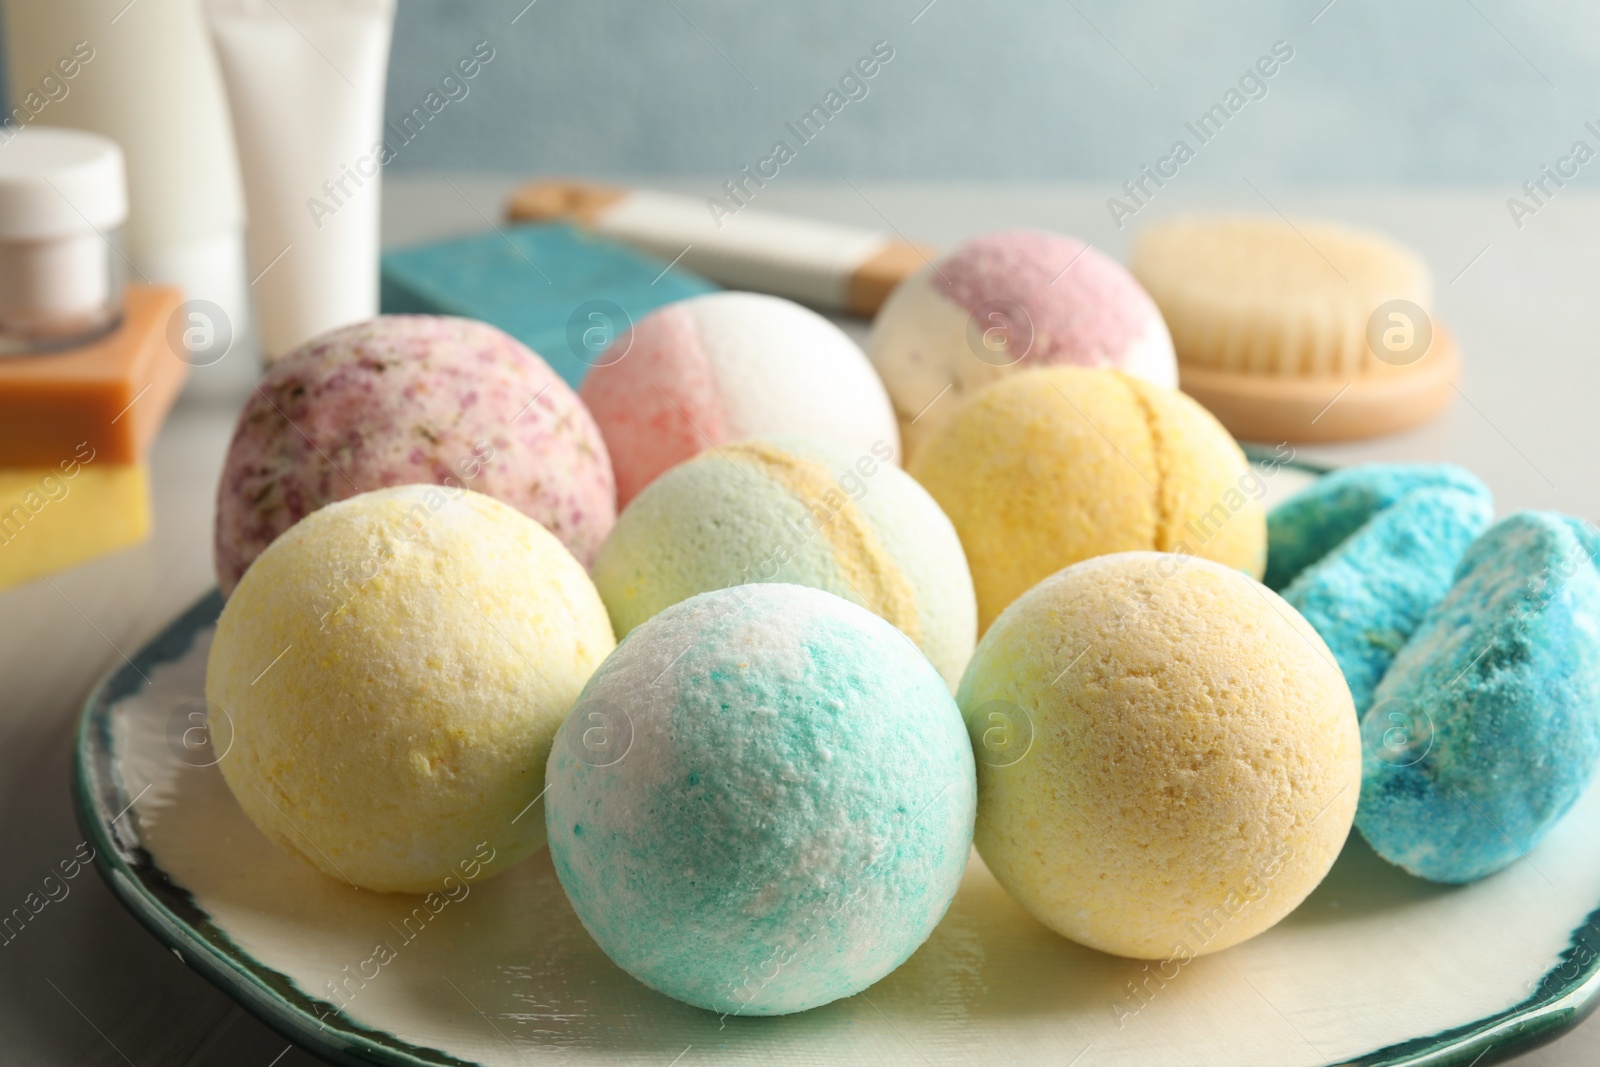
(1461, 92)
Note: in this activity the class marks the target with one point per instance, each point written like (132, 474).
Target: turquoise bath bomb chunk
(763, 801)
(1487, 727)
(1313, 522)
(1368, 596)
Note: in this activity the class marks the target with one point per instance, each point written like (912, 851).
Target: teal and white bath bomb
(763, 801)
(804, 511)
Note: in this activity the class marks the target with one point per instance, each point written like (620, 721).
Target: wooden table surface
(84, 983)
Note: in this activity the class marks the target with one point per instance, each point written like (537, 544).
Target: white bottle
(145, 76)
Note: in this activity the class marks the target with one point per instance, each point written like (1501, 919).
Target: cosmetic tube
(305, 81)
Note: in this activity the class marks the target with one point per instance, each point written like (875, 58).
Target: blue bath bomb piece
(1315, 520)
(1367, 596)
(762, 801)
(1487, 727)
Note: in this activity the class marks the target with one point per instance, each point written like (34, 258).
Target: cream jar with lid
(63, 200)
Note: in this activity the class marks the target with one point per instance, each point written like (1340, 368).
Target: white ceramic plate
(1375, 967)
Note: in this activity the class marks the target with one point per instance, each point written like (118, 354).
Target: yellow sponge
(52, 518)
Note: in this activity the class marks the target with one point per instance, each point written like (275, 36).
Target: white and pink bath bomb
(1010, 301)
(725, 366)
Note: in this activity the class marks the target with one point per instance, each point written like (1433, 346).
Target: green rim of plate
(168, 910)
(1565, 995)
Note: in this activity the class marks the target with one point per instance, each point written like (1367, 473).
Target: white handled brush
(817, 263)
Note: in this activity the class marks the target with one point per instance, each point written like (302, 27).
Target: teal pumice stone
(763, 801)
(1486, 728)
(1313, 522)
(800, 510)
(1367, 596)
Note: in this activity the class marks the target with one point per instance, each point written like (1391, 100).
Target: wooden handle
(560, 199)
(872, 282)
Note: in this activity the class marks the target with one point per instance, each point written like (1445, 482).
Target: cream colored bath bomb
(802, 511)
(1168, 756)
(1048, 467)
(392, 671)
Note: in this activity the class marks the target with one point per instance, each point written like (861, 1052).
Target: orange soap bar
(111, 394)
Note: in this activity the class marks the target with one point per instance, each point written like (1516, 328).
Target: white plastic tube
(305, 85)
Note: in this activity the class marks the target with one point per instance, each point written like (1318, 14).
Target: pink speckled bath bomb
(1009, 301)
(404, 399)
(726, 366)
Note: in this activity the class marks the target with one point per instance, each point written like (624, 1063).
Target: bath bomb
(1040, 470)
(763, 800)
(1007, 301)
(1368, 596)
(716, 368)
(1313, 522)
(1484, 730)
(1372, 591)
(1167, 757)
(391, 673)
(802, 511)
(405, 399)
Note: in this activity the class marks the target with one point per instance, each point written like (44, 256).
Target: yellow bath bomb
(387, 678)
(1168, 756)
(1049, 467)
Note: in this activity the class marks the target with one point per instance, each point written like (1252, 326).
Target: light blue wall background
(1441, 91)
